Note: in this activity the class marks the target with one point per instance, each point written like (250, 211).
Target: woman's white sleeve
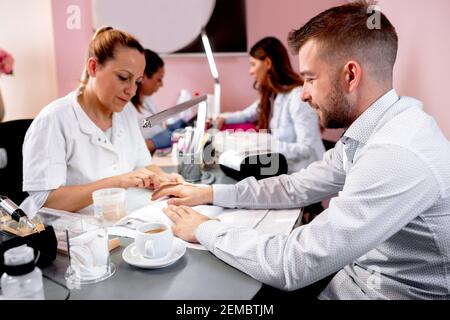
(44, 155)
(306, 126)
(249, 114)
(34, 202)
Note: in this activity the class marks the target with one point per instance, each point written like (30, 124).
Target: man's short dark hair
(346, 32)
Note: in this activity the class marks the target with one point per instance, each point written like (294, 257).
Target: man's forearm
(320, 180)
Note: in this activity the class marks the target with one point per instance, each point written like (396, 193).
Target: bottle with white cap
(22, 279)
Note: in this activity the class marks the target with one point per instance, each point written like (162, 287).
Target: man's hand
(186, 221)
(185, 194)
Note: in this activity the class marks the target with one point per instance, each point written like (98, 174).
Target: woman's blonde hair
(103, 46)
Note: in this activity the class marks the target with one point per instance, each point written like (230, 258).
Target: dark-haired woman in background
(279, 109)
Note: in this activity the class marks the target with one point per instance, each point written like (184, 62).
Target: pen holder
(189, 166)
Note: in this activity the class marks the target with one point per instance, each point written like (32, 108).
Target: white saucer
(133, 257)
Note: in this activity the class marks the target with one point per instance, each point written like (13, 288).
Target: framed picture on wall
(173, 27)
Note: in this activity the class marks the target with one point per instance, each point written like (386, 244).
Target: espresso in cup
(157, 230)
(153, 240)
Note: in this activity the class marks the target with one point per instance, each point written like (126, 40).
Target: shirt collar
(85, 123)
(88, 126)
(363, 127)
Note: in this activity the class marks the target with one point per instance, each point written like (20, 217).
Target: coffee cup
(154, 240)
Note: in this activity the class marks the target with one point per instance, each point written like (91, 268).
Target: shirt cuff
(224, 195)
(34, 202)
(42, 184)
(208, 231)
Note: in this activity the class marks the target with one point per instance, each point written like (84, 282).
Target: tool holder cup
(89, 260)
(190, 166)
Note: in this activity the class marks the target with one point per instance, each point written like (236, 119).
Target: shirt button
(99, 139)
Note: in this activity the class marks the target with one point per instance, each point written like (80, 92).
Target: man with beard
(387, 233)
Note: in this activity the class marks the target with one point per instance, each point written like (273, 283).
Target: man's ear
(352, 75)
(92, 67)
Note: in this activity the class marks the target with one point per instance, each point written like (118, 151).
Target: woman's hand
(141, 178)
(175, 177)
(220, 121)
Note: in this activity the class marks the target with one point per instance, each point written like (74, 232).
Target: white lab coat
(294, 125)
(63, 147)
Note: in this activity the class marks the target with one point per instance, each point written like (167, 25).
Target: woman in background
(156, 137)
(293, 123)
(89, 139)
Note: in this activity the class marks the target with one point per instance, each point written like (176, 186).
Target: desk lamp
(162, 116)
(199, 133)
(196, 141)
(215, 110)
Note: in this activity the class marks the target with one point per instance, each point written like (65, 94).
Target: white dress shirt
(63, 147)
(388, 230)
(294, 125)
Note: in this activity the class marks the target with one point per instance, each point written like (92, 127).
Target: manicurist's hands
(144, 178)
(175, 177)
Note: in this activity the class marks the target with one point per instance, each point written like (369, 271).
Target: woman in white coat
(293, 123)
(90, 139)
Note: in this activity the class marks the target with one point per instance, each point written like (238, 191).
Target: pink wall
(423, 61)
(264, 18)
(26, 31)
(70, 44)
(277, 18)
(421, 70)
